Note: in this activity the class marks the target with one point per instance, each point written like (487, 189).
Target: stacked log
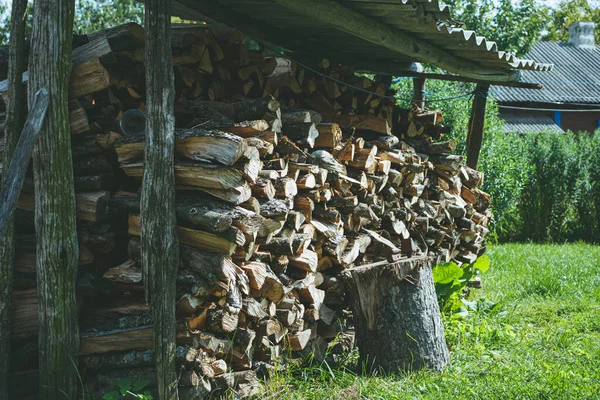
(285, 178)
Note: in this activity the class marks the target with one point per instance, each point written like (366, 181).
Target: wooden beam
(160, 248)
(15, 173)
(419, 92)
(477, 124)
(349, 21)
(57, 249)
(457, 78)
(15, 110)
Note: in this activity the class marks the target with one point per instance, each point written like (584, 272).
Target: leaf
(463, 312)
(482, 263)
(114, 395)
(442, 289)
(148, 395)
(446, 273)
(124, 386)
(470, 305)
(139, 385)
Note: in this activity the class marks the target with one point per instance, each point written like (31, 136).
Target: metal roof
(574, 80)
(528, 122)
(377, 36)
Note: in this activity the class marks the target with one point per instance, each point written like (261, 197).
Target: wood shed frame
(385, 38)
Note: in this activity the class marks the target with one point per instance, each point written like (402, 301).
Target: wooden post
(14, 174)
(477, 124)
(12, 129)
(160, 249)
(55, 224)
(397, 317)
(419, 92)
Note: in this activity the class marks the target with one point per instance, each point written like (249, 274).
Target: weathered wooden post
(397, 317)
(160, 251)
(419, 91)
(477, 124)
(12, 129)
(55, 224)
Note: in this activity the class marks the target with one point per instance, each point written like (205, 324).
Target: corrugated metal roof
(574, 79)
(519, 122)
(294, 26)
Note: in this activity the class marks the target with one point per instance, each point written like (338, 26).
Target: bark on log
(57, 248)
(160, 249)
(398, 322)
(12, 129)
(194, 144)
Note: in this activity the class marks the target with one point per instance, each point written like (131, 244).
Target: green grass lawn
(544, 344)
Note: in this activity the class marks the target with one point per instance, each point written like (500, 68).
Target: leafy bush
(129, 390)
(450, 281)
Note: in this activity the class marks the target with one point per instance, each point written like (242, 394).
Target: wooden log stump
(398, 322)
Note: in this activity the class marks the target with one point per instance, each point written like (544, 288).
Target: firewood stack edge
(284, 177)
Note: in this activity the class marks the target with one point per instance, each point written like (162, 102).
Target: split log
(194, 144)
(330, 136)
(254, 109)
(303, 134)
(197, 175)
(195, 238)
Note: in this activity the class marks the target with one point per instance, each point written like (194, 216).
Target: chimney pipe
(581, 35)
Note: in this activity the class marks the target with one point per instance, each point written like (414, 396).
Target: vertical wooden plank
(419, 91)
(477, 124)
(55, 224)
(12, 129)
(160, 251)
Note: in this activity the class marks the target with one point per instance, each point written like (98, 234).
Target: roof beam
(354, 23)
(457, 78)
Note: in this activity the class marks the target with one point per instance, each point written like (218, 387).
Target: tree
(94, 15)
(55, 224)
(570, 12)
(514, 25)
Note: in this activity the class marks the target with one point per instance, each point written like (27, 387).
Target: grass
(544, 344)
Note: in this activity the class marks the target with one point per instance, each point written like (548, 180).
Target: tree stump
(397, 317)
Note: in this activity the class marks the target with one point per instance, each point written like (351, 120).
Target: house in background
(570, 98)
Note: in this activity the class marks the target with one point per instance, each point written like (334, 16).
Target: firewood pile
(284, 177)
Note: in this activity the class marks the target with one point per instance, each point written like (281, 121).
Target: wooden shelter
(385, 38)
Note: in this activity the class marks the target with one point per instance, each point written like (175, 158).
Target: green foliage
(4, 25)
(90, 16)
(450, 282)
(539, 346)
(5, 22)
(95, 15)
(569, 12)
(559, 201)
(514, 25)
(129, 390)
